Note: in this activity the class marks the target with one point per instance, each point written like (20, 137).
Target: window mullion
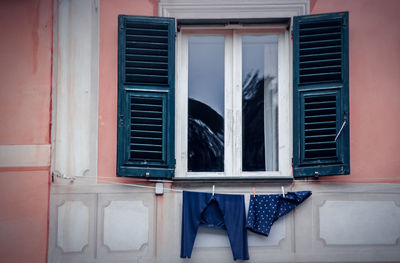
(284, 102)
(237, 103)
(181, 113)
(228, 162)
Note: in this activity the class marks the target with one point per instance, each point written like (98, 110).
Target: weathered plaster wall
(25, 96)
(104, 223)
(374, 38)
(25, 63)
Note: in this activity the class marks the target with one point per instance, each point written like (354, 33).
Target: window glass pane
(206, 103)
(260, 102)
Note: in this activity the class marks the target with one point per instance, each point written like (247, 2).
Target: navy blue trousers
(221, 211)
(264, 210)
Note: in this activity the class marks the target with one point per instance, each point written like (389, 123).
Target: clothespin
(213, 190)
(283, 191)
(254, 192)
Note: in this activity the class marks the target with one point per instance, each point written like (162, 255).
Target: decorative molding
(25, 155)
(75, 93)
(126, 225)
(359, 223)
(195, 9)
(72, 226)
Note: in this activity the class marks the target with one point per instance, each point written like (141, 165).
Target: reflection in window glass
(260, 102)
(206, 104)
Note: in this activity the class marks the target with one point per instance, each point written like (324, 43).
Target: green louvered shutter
(321, 95)
(146, 53)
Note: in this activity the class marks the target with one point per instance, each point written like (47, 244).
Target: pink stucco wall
(108, 87)
(374, 78)
(24, 201)
(374, 38)
(25, 63)
(25, 98)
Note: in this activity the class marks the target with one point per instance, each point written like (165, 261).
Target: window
(232, 97)
(233, 111)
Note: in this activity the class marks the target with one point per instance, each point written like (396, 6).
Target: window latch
(340, 131)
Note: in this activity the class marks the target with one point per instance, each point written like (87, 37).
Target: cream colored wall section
(25, 155)
(75, 93)
(338, 223)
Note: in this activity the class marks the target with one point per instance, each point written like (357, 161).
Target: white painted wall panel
(360, 222)
(126, 225)
(72, 226)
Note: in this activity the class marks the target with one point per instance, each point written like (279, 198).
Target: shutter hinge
(121, 120)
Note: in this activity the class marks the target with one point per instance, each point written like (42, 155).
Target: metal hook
(340, 131)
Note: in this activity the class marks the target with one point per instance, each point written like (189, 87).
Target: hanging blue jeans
(264, 210)
(220, 211)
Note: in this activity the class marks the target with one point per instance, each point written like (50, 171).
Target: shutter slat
(146, 151)
(146, 119)
(145, 133)
(314, 109)
(147, 58)
(136, 44)
(146, 31)
(320, 143)
(141, 78)
(318, 37)
(145, 105)
(142, 113)
(319, 70)
(321, 129)
(310, 30)
(145, 139)
(147, 64)
(147, 38)
(147, 51)
(154, 71)
(321, 116)
(317, 56)
(320, 150)
(322, 123)
(323, 137)
(145, 145)
(146, 25)
(320, 62)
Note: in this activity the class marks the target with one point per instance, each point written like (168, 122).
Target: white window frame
(217, 9)
(233, 100)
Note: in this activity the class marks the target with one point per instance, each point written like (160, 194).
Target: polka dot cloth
(264, 210)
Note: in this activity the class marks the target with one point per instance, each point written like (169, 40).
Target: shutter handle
(340, 131)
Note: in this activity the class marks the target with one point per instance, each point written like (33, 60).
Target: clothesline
(107, 179)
